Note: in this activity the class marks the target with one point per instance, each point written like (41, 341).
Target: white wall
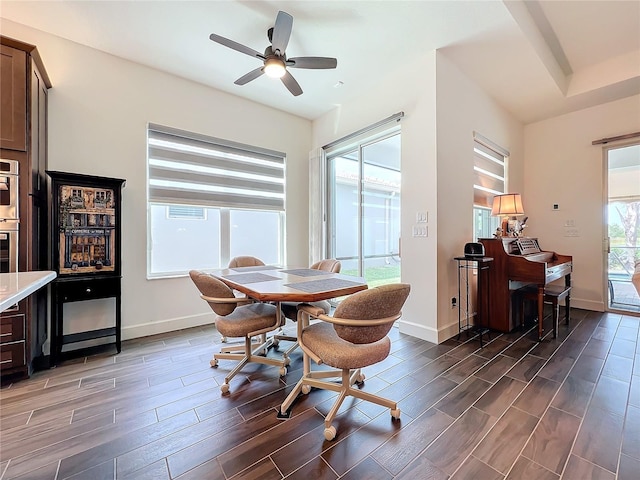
(99, 108)
(462, 108)
(442, 109)
(561, 166)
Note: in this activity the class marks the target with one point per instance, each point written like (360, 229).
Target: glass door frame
(607, 285)
(330, 194)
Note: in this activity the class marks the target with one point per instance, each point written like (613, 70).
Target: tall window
(490, 172)
(210, 200)
(363, 204)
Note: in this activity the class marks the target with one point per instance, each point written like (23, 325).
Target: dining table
(268, 283)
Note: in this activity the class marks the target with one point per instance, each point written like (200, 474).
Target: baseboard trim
(164, 326)
(587, 305)
(419, 331)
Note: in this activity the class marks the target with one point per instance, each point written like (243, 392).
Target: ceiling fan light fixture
(274, 67)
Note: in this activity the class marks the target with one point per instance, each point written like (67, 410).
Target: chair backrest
(212, 287)
(328, 265)
(375, 303)
(245, 261)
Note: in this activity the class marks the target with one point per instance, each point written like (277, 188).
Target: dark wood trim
(604, 141)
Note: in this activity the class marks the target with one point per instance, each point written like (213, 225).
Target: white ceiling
(536, 58)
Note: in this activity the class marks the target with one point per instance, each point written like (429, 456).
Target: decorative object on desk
(508, 205)
(474, 249)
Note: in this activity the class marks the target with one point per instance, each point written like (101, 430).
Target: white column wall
(442, 109)
(462, 108)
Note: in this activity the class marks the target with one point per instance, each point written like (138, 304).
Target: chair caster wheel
(287, 361)
(224, 388)
(306, 389)
(213, 362)
(283, 371)
(395, 413)
(330, 433)
(360, 378)
(223, 339)
(275, 343)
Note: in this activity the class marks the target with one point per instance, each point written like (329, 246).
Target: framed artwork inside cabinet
(85, 224)
(86, 229)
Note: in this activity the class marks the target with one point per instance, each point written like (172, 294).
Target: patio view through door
(623, 221)
(364, 208)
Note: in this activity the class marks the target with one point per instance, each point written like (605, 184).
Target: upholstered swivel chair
(238, 262)
(290, 309)
(245, 261)
(353, 338)
(238, 317)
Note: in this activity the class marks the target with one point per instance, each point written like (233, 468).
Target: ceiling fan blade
(282, 32)
(236, 46)
(252, 75)
(312, 62)
(291, 84)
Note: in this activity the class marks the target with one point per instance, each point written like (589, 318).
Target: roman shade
(192, 169)
(489, 171)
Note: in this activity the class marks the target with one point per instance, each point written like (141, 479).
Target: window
(490, 172)
(210, 200)
(363, 203)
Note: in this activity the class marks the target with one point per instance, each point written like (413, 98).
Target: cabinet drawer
(12, 355)
(79, 290)
(11, 328)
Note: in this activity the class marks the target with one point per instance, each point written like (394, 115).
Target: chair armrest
(318, 313)
(236, 300)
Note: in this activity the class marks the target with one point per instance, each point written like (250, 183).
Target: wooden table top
(278, 284)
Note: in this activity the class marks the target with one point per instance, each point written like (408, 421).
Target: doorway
(363, 185)
(623, 226)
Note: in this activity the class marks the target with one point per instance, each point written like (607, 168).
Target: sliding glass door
(364, 208)
(623, 221)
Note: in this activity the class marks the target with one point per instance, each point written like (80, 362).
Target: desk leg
(540, 311)
(118, 323)
(567, 305)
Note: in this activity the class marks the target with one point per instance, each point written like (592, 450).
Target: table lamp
(508, 205)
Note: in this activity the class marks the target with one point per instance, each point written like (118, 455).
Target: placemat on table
(314, 286)
(243, 278)
(305, 272)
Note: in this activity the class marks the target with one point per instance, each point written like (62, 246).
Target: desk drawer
(77, 291)
(12, 355)
(11, 328)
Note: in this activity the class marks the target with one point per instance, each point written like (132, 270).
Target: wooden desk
(275, 284)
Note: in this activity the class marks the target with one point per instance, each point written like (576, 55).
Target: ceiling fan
(274, 57)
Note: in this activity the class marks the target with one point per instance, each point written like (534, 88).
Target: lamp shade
(507, 204)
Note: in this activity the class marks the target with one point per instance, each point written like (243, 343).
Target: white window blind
(192, 169)
(489, 168)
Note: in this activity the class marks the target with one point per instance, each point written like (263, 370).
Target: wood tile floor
(566, 408)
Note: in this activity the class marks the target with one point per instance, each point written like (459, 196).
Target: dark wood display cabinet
(85, 219)
(24, 88)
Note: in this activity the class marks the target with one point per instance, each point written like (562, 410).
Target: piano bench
(552, 295)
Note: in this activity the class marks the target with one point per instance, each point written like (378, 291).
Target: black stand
(468, 264)
(66, 290)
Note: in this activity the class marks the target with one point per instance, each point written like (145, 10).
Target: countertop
(16, 286)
